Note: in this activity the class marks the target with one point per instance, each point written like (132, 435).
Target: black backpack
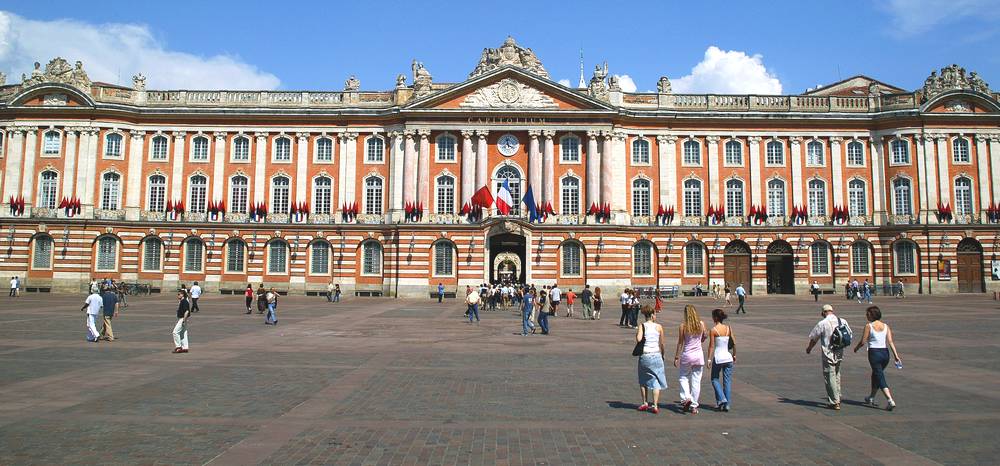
(841, 337)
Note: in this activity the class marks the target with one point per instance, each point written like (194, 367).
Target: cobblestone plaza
(400, 381)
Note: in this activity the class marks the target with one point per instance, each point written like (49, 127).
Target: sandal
(644, 407)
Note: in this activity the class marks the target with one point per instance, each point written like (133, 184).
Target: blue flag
(529, 201)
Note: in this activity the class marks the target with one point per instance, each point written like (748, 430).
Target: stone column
(396, 168)
(219, 158)
(837, 171)
(944, 175)
(133, 183)
(424, 180)
(795, 155)
(409, 168)
(982, 164)
(302, 168)
(879, 204)
(83, 145)
(12, 172)
(482, 159)
(928, 201)
(69, 166)
(995, 165)
(177, 176)
(714, 183)
(28, 168)
(757, 197)
(534, 166)
(548, 170)
(260, 162)
(468, 168)
(350, 179)
(619, 178)
(593, 171)
(607, 160)
(90, 180)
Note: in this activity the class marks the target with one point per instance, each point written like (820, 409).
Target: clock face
(508, 144)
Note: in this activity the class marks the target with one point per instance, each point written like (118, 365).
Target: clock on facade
(508, 144)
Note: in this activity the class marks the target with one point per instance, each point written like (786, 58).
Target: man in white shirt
(195, 294)
(832, 357)
(624, 299)
(13, 287)
(472, 300)
(93, 306)
(741, 295)
(814, 288)
(555, 295)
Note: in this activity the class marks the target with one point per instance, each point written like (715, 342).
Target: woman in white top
(721, 359)
(652, 377)
(879, 339)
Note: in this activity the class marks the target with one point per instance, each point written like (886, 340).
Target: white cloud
(564, 82)
(626, 82)
(116, 49)
(728, 72)
(911, 17)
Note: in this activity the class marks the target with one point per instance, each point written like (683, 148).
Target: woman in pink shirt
(690, 358)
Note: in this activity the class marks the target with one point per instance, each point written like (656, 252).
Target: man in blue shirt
(741, 294)
(440, 292)
(110, 301)
(528, 304)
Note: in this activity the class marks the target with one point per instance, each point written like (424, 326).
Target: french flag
(504, 198)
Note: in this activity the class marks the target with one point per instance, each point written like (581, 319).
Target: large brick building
(855, 179)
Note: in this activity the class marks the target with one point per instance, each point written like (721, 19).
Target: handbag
(637, 350)
(732, 343)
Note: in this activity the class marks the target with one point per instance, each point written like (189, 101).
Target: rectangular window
(107, 254)
(905, 263)
(570, 149)
(320, 264)
(371, 259)
(159, 151)
(241, 149)
(820, 259)
(694, 260)
(277, 257)
(443, 259)
(234, 256)
(734, 154)
(642, 260)
(855, 154)
(571, 259)
(151, 249)
(43, 253)
(859, 259)
(193, 251)
(324, 150)
(51, 143)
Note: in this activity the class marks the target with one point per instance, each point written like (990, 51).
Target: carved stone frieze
(58, 70)
(508, 93)
(953, 78)
(509, 54)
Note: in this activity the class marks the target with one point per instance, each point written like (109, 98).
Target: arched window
(107, 254)
(570, 201)
(904, 257)
(51, 142)
(900, 149)
(194, 251)
(570, 148)
(239, 194)
(159, 149)
(860, 258)
(373, 195)
(963, 196)
(692, 152)
(374, 149)
(241, 149)
(444, 258)
(642, 259)
(775, 198)
(901, 196)
(734, 153)
(157, 197)
(692, 198)
(322, 195)
(41, 258)
(199, 149)
(319, 258)
(235, 253)
(199, 193)
(640, 152)
(856, 198)
(277, 257)
(571, 255)
(152, 252)
(324, 150)
(960, 150)
(814, 153)
(775, 153)
(110, 191)
(113, 145)
(279, 194)
(282, 149)
(371, 258)
(445, 148)
(48, 189)
(640, 197)
(820, 258)
(734, 198)
(445, 194)
(513, 177)
(694, 259)
(855, 154)
(817, 198)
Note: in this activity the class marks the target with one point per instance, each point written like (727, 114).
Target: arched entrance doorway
(507, 257)
(780, 268)
(736, 260)
(970, 266)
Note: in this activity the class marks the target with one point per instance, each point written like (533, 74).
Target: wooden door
(970, 272)
(737, 270)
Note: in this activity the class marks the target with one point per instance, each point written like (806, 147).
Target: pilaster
(219, 157)
(482, 159)
(944, 175)
(28, 167)
(409, 168)
(838, 172)
(756, 175)
(607, 174)
(301, 167)
(795, 155)
(69, 162)
(90, 181)
(177, 176)
(714, 188)
(995, 165)
(133, 184)
(982, 165)
(879, 184)
(593, 171)
(12, 171)
(619, 163)
(396, 168)
(350, 179)
(424, 161)
(260, 162)
(548, 172)
(468, 168)
(534, 165)
(926, 185)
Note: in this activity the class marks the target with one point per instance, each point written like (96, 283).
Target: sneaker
(686, 405)
(725, 407)
(890, 406)
(870, 401)
(644, 407)
(183, 351)
(177, 349)
(834, 406)
(654, 410)
(694, 410)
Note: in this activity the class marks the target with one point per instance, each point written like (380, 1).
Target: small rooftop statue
(953, 78)
(509, 54)
(663, 85)
(421, 79)
(139, 82)
(58, 71)
(352, 84)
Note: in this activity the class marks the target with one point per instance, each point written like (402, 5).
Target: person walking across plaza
(261, 299)
(598, 303)
(272, 307)
(543, 314)
(14, 285)
(729, 295)
(814, 289)
(110, 303)
(248, 298)
(652, 377)
(689, 358)
(472, 301)
(181, 328)
(556, 297)
(899, 289)
(92, 306)
(587, 302)
(336, 293)
(195, 295)
(624, 299)
(866, 292)
(570, 298)
(527, 307)
(440, 292)
(878, 336)
(329, 292)
(741, 296)
(833, 335)
(722, 356)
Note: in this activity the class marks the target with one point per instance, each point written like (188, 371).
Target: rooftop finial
(583, 83)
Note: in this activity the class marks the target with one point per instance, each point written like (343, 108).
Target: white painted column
(944, 175)
(982, 163)
(929, 201)
(668, 173)
(607, 159)
(28, 168)
(619, 164)
(219, 157)
(714, 188)
(468, 168)
(12, 172)
(177, 177)
(90, 180)
(342, 172)
(534, 166)
(133, 183)
(69, 166)
(83, 145)
(795, 155)
(410, 168)
(260, 162)
(838, 171)
(396, 168)
(350, 178)
(995, 165)
(876, 161)
(756, 176)
(424, 164)
(482, 160)
(548, 169)
(593, 171)
(301, 168)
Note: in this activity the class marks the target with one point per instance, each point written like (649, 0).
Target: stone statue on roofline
(509, 54)
(953, 78)
(663, 85)
(3, 78)
(422, 79)
(598, 89)
(400, 81)
(139, 82)
(58, 70)
(352, 84)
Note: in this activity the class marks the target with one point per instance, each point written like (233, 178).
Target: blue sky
(789, 46)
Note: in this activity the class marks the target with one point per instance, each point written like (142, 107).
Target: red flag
(483, 197)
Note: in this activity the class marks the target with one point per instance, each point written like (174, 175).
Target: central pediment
(508, 93)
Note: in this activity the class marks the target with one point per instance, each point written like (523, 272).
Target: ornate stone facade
(509, 54)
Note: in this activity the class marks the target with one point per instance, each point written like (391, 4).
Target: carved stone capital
(260, 135)
(754, 139)
(593, 134)
(395, 134)
(712, 139)
(836, 140)
(302, 136)
(136, 134)
(666, 139)
(424, 133)
(467, 133)
(995, 138)
(179, 134)
(618, 135)
(482, 133)
(982, 138)
(549, 134)
(534, 133)
(220, 135)
(349, 136)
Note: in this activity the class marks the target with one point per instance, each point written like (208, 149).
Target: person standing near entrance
(814, 288)
(248, 296)
(833, 351)
(899, 289)
(336, 293)
(440, 292)
(110, 303)
(586, 300)
(329, 292)
(624, 300)
(729, 295)
(570, 297)
(556, 294)
(261, 299)
(195, 294)
(598, 302)
(92, 306)
(472, 300)
(13, 287)
(741, 295)
(181, 328)
(527, 306)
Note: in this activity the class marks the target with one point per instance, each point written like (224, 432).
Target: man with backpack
(833, 335)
